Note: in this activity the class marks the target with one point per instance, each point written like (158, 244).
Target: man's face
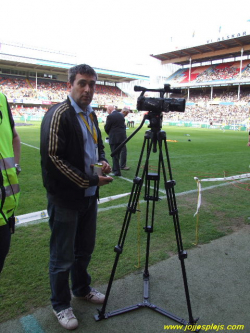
(82, 89)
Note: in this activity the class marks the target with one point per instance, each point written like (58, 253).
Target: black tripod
(153, 139)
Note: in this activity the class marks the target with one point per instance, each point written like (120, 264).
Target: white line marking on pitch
(29, 145)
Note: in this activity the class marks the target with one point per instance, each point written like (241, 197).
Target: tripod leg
(149, 227)
(173, 211)
(131, 208)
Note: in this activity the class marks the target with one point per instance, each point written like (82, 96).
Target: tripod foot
(100, 315)
(192, 326)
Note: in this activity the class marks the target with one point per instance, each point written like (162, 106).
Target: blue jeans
(71, 245)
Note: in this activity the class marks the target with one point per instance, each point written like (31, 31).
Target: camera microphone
(139, 88)
(168, 89)
(176, 91)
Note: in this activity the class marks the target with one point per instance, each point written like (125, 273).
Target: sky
(120, 35)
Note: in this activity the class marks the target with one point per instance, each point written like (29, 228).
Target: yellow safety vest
(9, 187)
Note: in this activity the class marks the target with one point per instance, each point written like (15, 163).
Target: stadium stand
(212, 115)
(216, 89)
(221, 110)
(224, 71)
(52, 91)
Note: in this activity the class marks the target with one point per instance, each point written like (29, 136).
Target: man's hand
(104, 180)
(106, 168)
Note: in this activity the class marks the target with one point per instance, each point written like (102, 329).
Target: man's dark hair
(80, 69)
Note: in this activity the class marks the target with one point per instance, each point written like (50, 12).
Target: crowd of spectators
(223, 108)
(245, 73)
(20, 88)
(54, 91)
(219, 96)
(211, 114)
(224, 71)
(105, 95)
(19, 110)
(204, 109)
(218, 73)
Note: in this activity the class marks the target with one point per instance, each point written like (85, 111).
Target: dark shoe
(125, 168)
(115, 174)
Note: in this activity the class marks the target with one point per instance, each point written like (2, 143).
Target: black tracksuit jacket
(62, 156)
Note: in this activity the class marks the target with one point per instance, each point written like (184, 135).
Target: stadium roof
(227, 48)
(27, 58)
(61, 68)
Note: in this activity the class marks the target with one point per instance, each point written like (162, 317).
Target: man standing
(116, 129)
(71, 144)
(9, 169)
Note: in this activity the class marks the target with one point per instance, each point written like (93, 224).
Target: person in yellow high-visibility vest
(9, 168)
(248, 144)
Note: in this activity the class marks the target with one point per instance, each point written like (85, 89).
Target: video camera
(158, 105)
